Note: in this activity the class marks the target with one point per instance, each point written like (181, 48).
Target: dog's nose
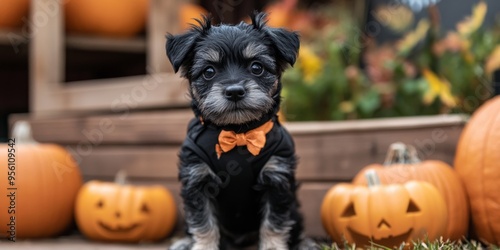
(234, 92)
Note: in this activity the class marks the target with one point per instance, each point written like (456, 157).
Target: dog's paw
(198, 246)
(185, 243)
(273, 244)
(308, 244)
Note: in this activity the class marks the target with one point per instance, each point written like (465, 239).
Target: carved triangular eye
(100, 204)
(145, 209)
(349, 211)
(412, 207)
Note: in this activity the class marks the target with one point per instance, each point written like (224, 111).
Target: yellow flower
(472, 23)
(310, 64)
(397, 17)
(438, 88)
(410, 40)
(493, 62)
(346, 106)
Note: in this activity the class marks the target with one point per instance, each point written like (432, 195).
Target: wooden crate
(146, 144)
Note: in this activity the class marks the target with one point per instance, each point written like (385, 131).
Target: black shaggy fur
(251, 57)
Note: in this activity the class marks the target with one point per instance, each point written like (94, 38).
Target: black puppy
(237, 163)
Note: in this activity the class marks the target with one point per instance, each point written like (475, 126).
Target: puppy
(237, 163)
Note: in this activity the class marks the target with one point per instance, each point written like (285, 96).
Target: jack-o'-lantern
(118, 212)
(402, 164)
(386, 215)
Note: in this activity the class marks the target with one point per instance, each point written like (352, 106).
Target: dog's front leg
(277, 178)
(197, 191)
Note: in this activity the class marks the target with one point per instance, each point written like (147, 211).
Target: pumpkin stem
(121, 177)
(400, 153)
(412, 154)
(22, 133)
(372, 178)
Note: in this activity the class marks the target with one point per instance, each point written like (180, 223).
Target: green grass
(419, 245)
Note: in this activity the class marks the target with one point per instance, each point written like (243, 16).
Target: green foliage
(327, 82)
(419, 245)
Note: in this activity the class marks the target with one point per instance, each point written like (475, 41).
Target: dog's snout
(234, 92)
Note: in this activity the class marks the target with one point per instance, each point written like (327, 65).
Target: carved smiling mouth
(119, 229)
(390, 241)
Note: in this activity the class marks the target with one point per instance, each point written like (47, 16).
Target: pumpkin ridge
(483, 202)
(483, 160)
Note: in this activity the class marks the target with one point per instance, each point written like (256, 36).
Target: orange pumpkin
(114, 18)
(386, 215)
(280, 14)
(478, 164)
(12, 12)
(117, 212)
(402, 165)
(46, 180)
(188, 14)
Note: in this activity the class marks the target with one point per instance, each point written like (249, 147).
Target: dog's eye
(209, 73)
(256, 68)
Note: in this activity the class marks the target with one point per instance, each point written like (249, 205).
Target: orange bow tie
(254, 139)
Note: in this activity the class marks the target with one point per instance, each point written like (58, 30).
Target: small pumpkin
(46, 180)
(386, 215)
(112, 18)
(402, 164)
(477, 162)
(188, 14)
(108, 211)
(12, 12)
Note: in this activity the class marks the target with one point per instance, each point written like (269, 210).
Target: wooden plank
(321, 158)
(10, 36)
(114, 95)
(398, 123)
(125, 128)
(334, 155)
(341, 156)
(139, 162)
(134, 44)
(178, 120)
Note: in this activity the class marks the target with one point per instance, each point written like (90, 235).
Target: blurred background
(359, 59)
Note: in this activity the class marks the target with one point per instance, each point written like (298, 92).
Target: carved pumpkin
(46, 179)
(387, 215)
(118, 212)
(12, 12)
(478, 164)
(115, 18)
(402, 165)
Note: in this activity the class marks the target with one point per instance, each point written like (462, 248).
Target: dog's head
(234, 71)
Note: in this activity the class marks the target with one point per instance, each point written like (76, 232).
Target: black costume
(238, 197)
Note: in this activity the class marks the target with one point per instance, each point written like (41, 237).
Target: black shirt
(238, 198)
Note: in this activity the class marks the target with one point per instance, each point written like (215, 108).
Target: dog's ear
(286, 42)
(179, 47)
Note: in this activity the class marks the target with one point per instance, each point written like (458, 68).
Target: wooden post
(46, 51)
(163, 19)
